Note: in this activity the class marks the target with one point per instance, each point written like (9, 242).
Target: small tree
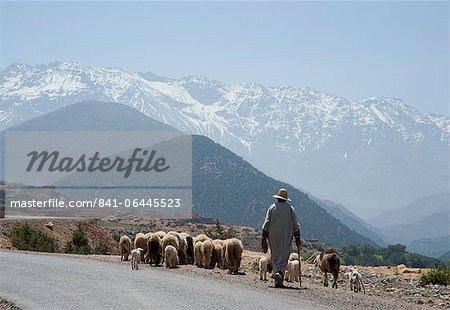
(79, 243)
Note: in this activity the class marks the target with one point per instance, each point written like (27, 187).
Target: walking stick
(300, 266)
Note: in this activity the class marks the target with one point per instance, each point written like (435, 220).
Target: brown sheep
(233, 254)
(216, 258)
(160, 234)
(124, 247)
(218, 241)
(140, 241)
(330, 261)
(224, 261)
(154, 250)
(201, 238)
(171, 256)
(182, 246)
(198, 257)
(207, 250)
(189, 248)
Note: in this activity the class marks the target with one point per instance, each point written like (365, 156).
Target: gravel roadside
(313, 292)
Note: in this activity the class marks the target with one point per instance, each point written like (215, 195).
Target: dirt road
(36, 281)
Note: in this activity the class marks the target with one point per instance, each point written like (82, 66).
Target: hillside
(435, 247)
(351, 220)
(224, 185)
(445, 257)
(416, 210)
(425, 218)
(370, 155)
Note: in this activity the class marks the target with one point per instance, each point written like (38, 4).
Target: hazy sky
(352, 49)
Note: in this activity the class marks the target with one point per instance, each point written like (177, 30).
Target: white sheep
(293, 256)
(355, 280)
(135, 258)
(292, 271)
(171, 256)
(169, 239)
(263, 262)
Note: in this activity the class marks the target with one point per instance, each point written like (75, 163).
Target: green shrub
(219, 233)
(79, 243)
(101, 249)
(25, 237)
(116, 236)
(436, 276)
(393, 255)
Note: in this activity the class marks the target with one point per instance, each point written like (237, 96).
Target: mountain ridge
(331, 143)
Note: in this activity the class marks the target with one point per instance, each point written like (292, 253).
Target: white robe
(280, 223)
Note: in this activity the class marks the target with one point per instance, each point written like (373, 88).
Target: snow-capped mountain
(371, 155)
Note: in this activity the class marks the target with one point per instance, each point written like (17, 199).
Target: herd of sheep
(173, 248)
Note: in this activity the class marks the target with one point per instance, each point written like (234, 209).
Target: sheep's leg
(335, 276)
(325, 279)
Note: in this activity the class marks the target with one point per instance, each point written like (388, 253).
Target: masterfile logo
(107, 173)
(53, 162)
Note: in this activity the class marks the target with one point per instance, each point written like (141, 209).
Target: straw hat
(282, 194)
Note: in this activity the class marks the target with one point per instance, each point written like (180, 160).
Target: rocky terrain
(62, 231)
(7, 305)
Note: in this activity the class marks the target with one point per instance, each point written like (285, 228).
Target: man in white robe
(279, 227)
